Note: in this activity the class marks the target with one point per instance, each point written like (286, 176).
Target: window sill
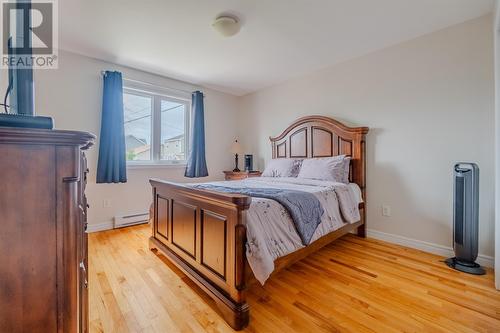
(134, 166)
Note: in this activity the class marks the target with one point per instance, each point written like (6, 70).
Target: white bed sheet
(271, 233)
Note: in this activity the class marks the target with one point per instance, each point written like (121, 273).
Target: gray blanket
(304, 208)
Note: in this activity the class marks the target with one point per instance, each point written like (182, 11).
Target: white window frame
(157, 95)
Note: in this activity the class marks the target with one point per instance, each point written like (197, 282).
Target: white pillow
(325, 168)
(282, 167)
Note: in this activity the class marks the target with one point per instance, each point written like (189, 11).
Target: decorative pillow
(282, 167)
(325, 168)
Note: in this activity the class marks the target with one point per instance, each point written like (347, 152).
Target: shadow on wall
(387, 185)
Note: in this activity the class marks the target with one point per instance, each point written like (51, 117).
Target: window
(156, 128)
(137, 112)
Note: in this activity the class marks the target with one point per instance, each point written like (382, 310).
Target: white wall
(428, 103)
(496, 32)
(72, 95)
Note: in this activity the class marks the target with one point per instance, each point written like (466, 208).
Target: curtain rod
(156, 85)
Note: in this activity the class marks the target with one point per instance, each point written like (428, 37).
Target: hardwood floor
(352, 285)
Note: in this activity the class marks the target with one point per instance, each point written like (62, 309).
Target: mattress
(271, 233)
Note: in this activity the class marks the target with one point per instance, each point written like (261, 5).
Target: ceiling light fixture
(226, 25)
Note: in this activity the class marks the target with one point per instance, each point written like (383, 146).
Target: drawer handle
(85, 282)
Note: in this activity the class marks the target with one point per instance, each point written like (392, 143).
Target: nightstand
(231, 175)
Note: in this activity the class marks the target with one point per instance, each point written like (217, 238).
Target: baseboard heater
(131, 219)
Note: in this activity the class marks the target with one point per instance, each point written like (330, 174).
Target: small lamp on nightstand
(235, 149)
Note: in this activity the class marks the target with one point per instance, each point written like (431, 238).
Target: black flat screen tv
(20, 111)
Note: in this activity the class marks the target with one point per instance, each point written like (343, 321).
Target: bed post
(361, 231)
(359, 177)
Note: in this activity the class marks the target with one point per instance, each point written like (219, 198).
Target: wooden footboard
(204, 234)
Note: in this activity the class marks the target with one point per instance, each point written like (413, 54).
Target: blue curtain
(197, 164)
(111, 166)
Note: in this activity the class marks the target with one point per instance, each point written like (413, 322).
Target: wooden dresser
(43, 244)
(233, 175)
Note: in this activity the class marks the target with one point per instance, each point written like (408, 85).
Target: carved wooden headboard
(319, 136)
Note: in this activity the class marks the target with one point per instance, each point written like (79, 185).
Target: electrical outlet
(386, 210)
(106, 203)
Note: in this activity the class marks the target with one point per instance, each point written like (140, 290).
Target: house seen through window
(156, 128)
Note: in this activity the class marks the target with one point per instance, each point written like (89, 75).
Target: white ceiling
(279, 39)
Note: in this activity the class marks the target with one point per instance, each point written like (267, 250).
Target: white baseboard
(441, 250)
(100, 226)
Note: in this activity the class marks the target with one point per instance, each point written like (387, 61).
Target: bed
(204, 231)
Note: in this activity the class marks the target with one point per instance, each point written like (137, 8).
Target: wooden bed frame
(204, 232)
